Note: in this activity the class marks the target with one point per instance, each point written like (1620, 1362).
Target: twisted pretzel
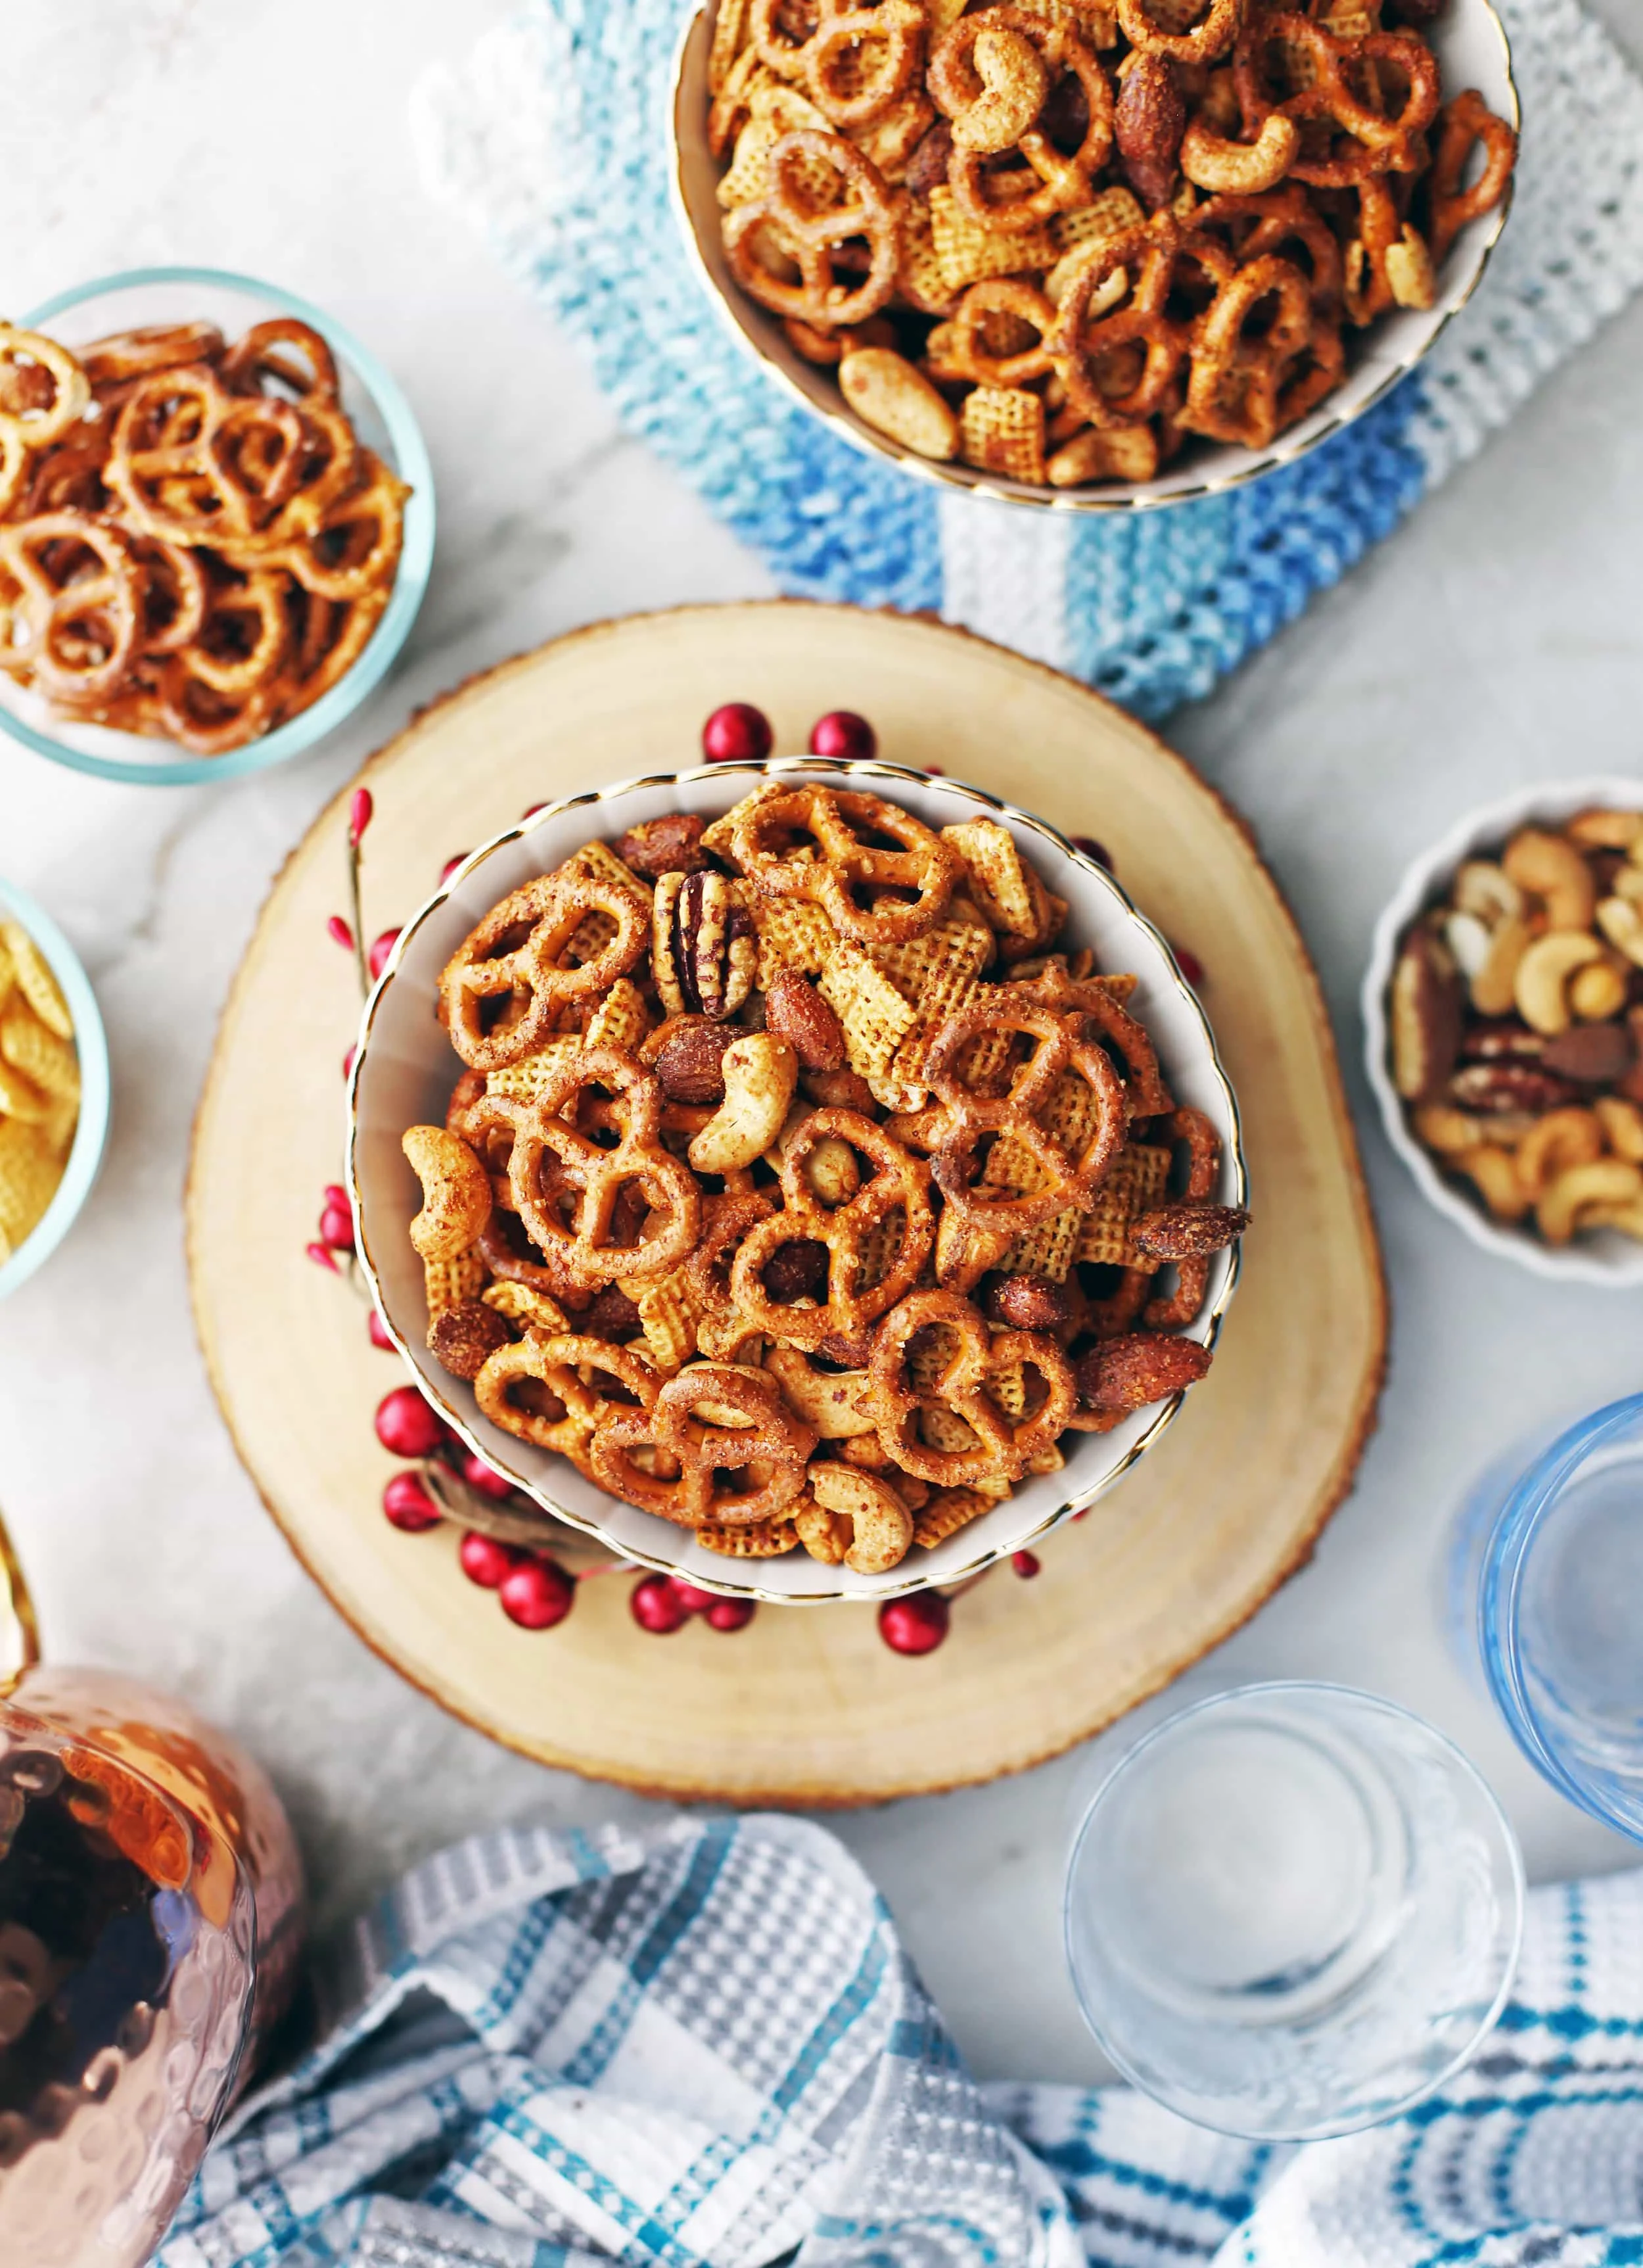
(128, 355)
(763, 1439)
(553, 1162)
(836, 819)
(1001, 1450)
(1063, 178)
(1000, 295)
(1106, 1018)
(1466, 121)
(255, 357)
(517, 948)
(899, 1182)
(1067, 1179)
(1235, 389)
(1154, 255)
(890, 28)
(811, 235)
(565, 1367)
(1205, 43)
(1131, 1300)
(71, 593)
(1254, 225)
(43, 390)
(1380, 144)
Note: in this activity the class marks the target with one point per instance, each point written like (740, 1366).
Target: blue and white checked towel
(703, 2047)
(552, 138)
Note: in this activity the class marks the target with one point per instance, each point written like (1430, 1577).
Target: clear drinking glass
(1552, 1562)
(1292, 1911)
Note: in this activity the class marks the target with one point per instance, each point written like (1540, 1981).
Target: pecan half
(795, 1012)
(1149, 121)
(1496, 1089)
(702, 946)
(1127, 1374)
(669, 845)
(1188, 1231)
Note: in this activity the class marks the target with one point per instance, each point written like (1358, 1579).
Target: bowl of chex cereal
(53, 1087)
(1098, 254)
(817, 1180)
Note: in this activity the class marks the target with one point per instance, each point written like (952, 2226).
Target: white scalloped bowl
(1605, 1257)
(405, 1070)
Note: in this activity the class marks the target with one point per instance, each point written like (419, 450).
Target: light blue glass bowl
(91, 1135)
(382, 419)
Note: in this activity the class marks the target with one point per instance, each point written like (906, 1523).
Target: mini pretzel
(1235, 386)
(768, 1441)
(116, 361)
(192, 462)
(1132, 1300)
(1204, 44)
(1000, 295)
(897, 1181)
(1063, 178)
(836, 818)
(339, 546)
(495, 960)
(74, 589)
(1466, 121)
(1280, 220)
(1106, 1018)
(890, 30)
(593, 1179)
(1379, 143)
(1153, 257)
(31, 424)
(988, 76)
(1001, 1450)
(566, 1366)
(256, 357)
(972, 1118)
(811, 235)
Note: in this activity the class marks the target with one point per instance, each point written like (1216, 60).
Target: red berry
(1024, 1563)
(530, 811)
(376, 959)
(692, 1597)
(379, 1333)
(1091, 849)
(937, 771)
(320, 1255)
(915, 1624)
(348, 1063)
(537, 1594)
(485, 1478)
(334, 1194)
(1190, 967)
(730, 1614)
(656, 1605)
(450, 866)
(336, 1228)
(406, 1427)
(359, 815)
(338, 932)
(738, 733)
(408, 1505)
(841, 733)
(485, 1561)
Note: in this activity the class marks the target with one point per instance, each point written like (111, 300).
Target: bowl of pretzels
(1103, 255)
(217, 523)
(816, 1179)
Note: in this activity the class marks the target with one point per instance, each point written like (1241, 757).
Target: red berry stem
(360, 963)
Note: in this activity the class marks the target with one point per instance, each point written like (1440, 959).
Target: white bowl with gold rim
(1471, 46)
(405, 1069)
(1602, 1256)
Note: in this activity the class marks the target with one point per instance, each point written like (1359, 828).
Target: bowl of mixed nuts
(1503, 1006)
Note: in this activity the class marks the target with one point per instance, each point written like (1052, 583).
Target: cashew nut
(1629, 884)
(1542, 975)
(1566, 1204)
(1240, 169)
(1597, 992)
(760, 1074)
(1449, 1131)
(1491, 987)
(1562, 1138)
(880, 1525)
(1552, 870)
(1409, 269)
(1495, 1172)
(1622, 924)
(1013, 84)
(827, 1399)
(455, 1192)
(1623, 1124)
(1483, 888)
(1598, 830)
(1628, 1219)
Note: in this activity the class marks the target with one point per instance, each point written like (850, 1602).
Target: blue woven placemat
(552, 137)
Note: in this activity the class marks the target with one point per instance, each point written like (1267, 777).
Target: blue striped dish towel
(552, 138)
(704, 2047)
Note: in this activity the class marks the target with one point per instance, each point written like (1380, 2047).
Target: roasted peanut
(888, 393)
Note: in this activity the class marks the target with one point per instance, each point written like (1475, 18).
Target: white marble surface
(1498, 639)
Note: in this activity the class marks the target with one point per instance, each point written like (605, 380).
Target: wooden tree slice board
(806, 1705)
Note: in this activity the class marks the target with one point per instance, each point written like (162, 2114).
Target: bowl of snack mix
(1101, 255)
(1503, 1007)
(818, 1178)
(53, 1087)
(217, 523)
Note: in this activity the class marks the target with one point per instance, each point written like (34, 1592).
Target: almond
(1024, 1303)
(669, 845)
(796, 1013)
(1188, 1231)
(691, 1065)
(1127, 1374)
(1149, 121)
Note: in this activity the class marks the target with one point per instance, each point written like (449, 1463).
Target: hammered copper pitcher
(150, 1916)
